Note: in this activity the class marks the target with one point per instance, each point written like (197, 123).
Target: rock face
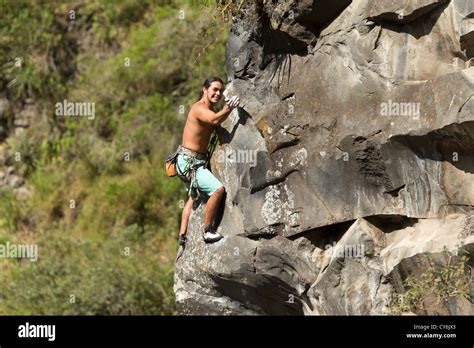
(350, 160)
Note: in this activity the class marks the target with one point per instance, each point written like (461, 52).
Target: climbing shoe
(211, 236)
(182, 245)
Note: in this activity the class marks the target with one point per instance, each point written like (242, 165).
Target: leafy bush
(439, 282)
(30, 39)
(79, 277)
(225, 8)
(23, 153)
(10, 211)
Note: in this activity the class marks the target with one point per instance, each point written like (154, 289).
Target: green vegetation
(226, 8)
(103, 213)
(439, 282)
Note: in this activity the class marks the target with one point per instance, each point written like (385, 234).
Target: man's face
(214, 92)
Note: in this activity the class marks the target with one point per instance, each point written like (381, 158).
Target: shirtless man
(201, 121)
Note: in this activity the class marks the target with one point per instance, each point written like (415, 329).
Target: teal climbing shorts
(205, 181)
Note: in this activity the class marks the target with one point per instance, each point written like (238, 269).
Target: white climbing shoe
(210, 236)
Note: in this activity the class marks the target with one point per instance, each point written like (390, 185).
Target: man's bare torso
(196, 133)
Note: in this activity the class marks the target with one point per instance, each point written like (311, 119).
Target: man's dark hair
(207, 83)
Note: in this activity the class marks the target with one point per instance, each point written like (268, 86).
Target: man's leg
(184, 226)
(185, 216)
(211, 186)
(212, 205)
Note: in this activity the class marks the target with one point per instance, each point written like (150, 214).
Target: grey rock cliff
(350, 160)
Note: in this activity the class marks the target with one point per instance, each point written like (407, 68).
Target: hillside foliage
(103, 213)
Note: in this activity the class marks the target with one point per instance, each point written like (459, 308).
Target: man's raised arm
(215, 118)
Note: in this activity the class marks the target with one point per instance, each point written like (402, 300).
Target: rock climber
(192, 154)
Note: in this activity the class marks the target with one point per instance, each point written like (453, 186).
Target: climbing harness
(194, 160)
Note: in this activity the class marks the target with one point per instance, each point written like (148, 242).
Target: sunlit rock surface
(349, 162)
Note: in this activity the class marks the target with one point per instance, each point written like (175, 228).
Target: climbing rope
(211, 147)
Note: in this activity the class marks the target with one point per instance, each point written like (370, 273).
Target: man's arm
(208, 116)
